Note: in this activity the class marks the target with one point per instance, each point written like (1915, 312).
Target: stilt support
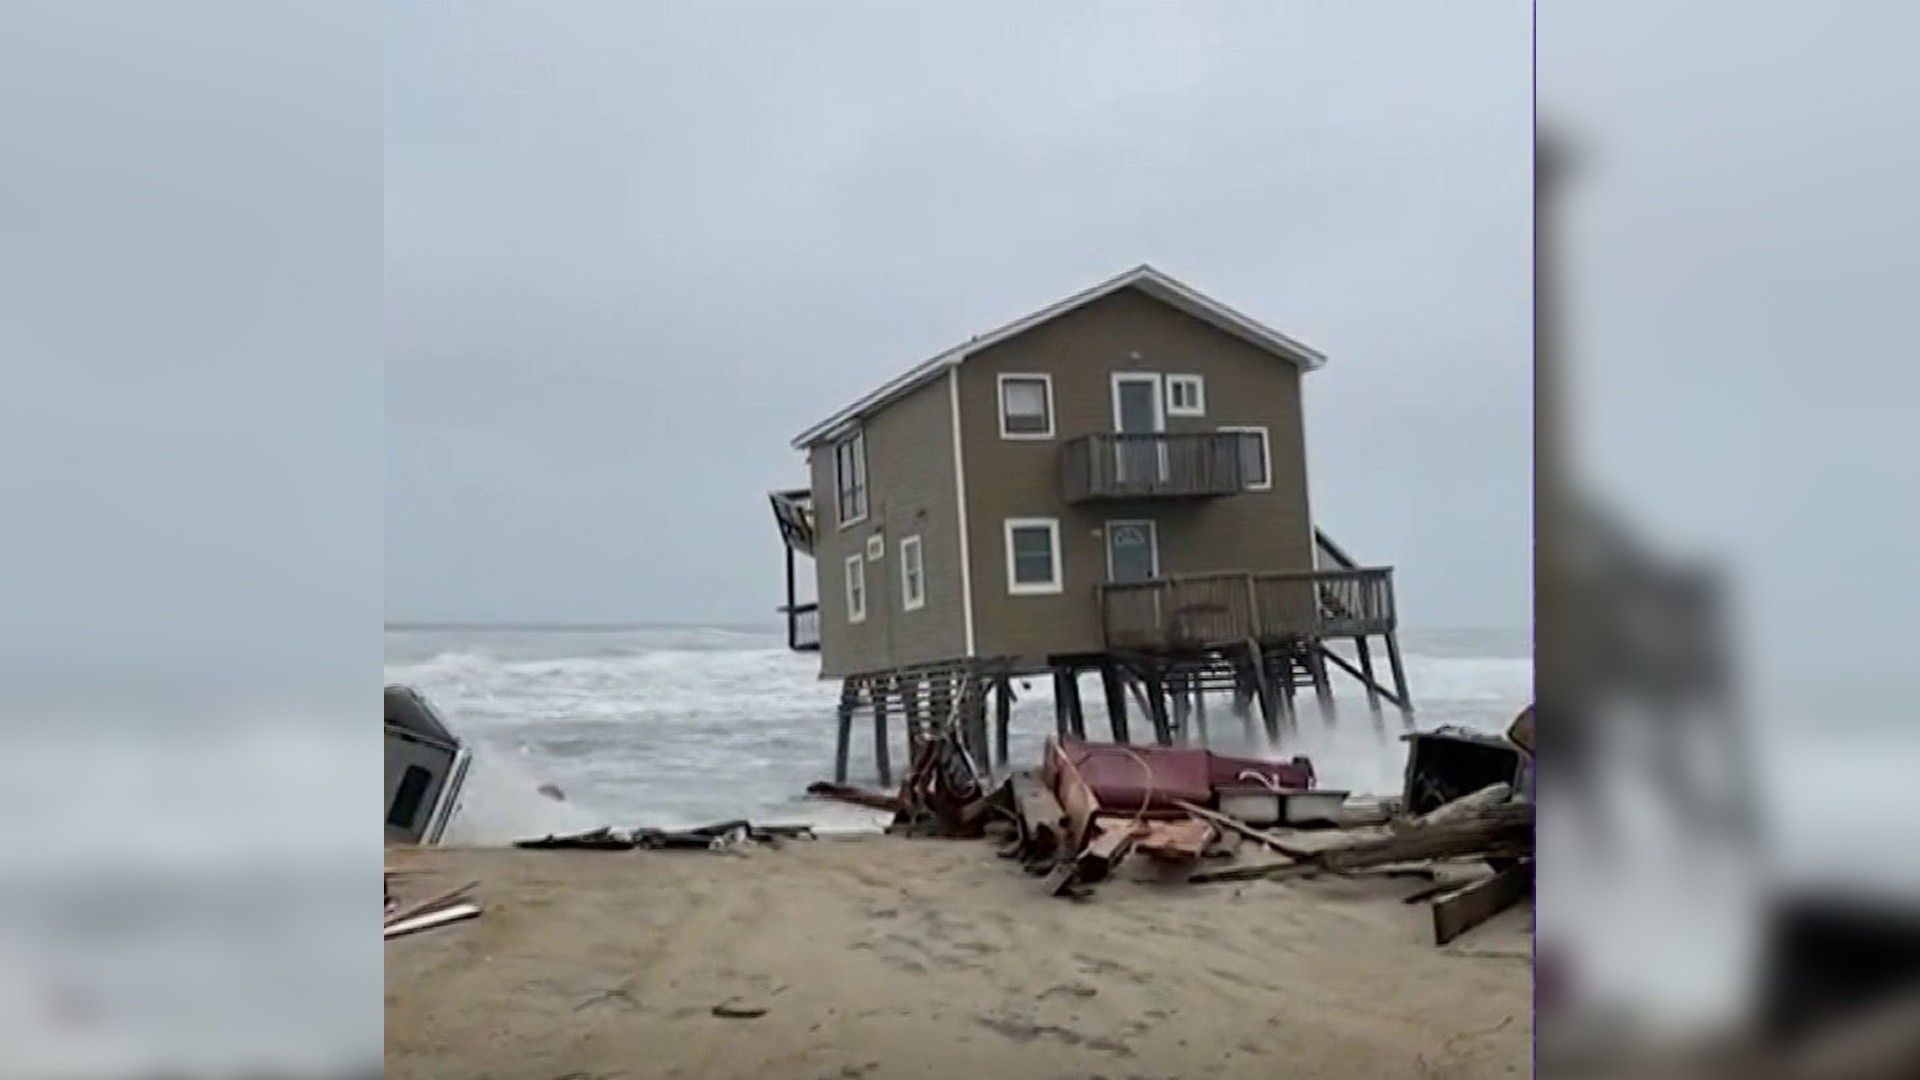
(849, 699)
(882, 754)
(1116, 700)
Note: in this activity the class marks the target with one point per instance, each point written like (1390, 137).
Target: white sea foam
(688, 726)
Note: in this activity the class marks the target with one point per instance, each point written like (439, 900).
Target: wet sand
(889, 957)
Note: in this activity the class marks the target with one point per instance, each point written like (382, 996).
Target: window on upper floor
(1186, 395)
(1033, 556)
(1026, 406)
(913, 575)
(1256, 458)
(850, 478)
(856, 589)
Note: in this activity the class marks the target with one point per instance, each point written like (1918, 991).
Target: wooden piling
(1116, 700)
(1157, 706)
(1002, 717)
(1076, 711)
(1399, 679)
(1322, 688)
(878, 691)
(1365, 656)
(849, 698)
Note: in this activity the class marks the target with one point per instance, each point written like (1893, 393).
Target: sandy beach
(891, 957)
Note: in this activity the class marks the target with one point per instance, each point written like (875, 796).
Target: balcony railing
(1183, 466)
(1203, 610)
(803, 627)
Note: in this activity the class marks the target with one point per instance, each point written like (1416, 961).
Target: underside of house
(1260, 637)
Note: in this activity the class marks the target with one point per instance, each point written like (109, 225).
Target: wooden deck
(1183, 466)
(1203, 610)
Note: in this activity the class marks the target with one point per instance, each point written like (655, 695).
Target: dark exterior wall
(910, 491)
(1128, 331)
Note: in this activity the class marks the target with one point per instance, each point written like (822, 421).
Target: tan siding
(1127, 331)
(910, 491)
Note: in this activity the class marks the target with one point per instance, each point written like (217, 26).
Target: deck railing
(803, 627)
(1112, 466)
(1217, 609)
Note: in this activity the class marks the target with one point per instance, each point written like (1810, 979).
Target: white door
(1133, 551)
(1138, 410)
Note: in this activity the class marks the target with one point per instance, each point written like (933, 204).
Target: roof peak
(1163, 287)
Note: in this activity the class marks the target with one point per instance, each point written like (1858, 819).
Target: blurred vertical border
(190, 530)
(1729, 883)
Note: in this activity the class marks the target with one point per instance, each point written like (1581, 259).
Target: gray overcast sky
(632, 249)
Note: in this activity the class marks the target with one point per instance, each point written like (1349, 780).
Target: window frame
(1199, 406)
(856, 568)
(1000, 390)
(1266, 451)
(840, 489)
(1016, 587)
(913, 571)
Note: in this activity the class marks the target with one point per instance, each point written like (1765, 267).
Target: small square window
(1026, 406)
(1186, 395)
(876, 548)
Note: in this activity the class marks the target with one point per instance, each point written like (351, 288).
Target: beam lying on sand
(432, 919)
(1465, 908)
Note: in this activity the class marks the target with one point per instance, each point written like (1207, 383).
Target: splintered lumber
(1182, 840)
(411, 910)
(1465, 908)
(1466, 806)
(432, 919)
(1112, 839)
(1504, 831)
(1246, 830)
(1043, 823)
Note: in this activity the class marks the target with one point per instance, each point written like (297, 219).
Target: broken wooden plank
(411, 910)
(1465, 908)
(1478, 839)
(1043, 823)
(1182, 840)
(432, 919)
(1464, 807)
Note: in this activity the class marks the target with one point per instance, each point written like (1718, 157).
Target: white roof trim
(1145, 278)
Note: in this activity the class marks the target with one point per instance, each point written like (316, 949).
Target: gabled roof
(1145, 278)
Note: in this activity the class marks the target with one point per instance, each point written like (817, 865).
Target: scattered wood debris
(437, 910)
(722, 836)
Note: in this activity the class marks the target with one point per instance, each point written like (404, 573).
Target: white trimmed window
(856, 589)
(850, 478)
(1256, 458)
(913, 575)
(1026, 406)
(1033, 556)
(1186, 395)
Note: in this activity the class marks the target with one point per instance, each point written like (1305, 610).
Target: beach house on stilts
(1115, 483)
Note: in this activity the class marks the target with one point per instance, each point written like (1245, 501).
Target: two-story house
(1116, 482)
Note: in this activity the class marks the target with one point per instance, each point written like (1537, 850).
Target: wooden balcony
(1185, 466)
(1203, 610)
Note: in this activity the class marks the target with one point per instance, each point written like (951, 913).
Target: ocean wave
(641, 730)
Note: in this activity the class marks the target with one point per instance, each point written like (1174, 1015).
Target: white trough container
(1257, 805)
